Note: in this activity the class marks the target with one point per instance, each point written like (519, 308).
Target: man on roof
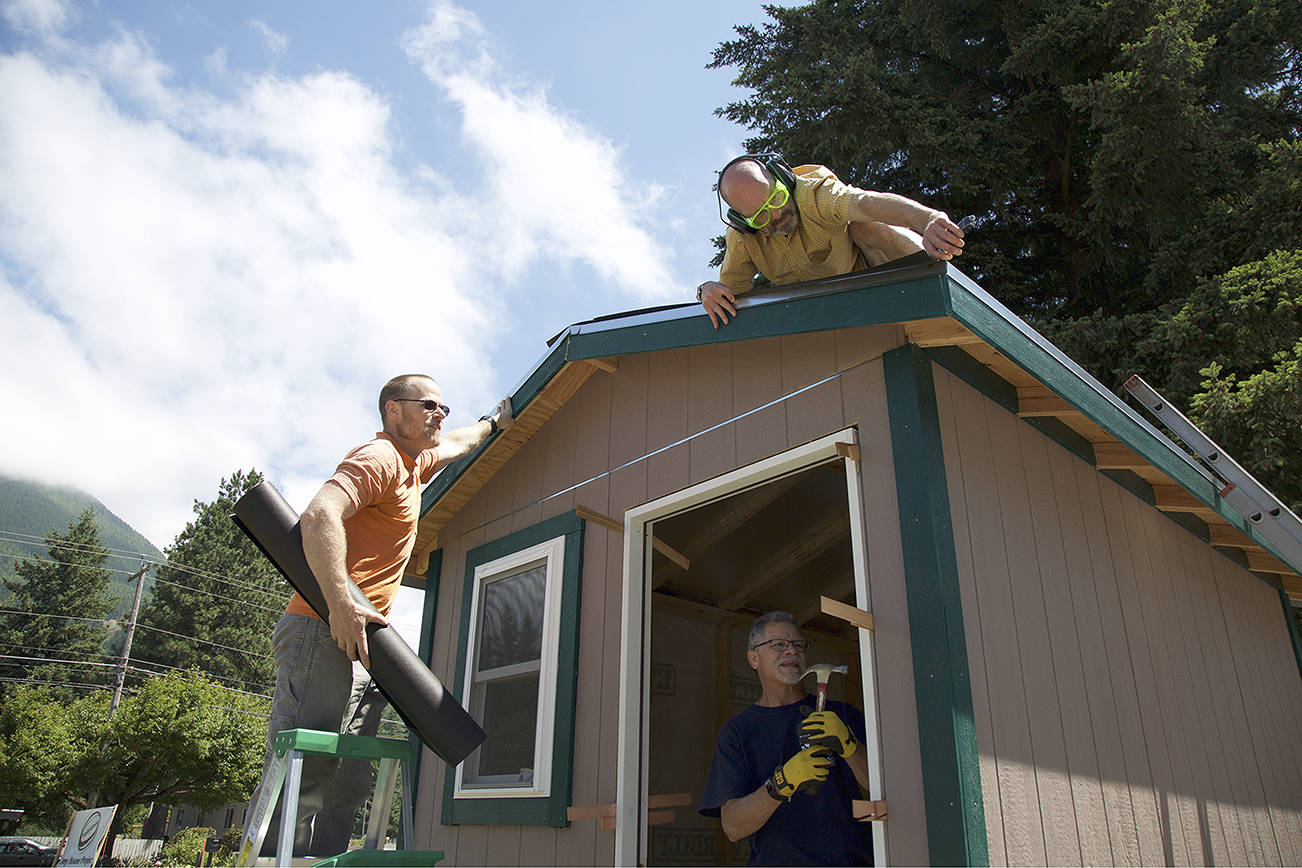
(791, 225)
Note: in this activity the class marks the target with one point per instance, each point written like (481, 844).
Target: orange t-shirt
(383, 483)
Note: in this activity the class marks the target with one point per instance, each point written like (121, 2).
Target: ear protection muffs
(779, 169)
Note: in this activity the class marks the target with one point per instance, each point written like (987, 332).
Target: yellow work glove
(806, 769)
(826, 729)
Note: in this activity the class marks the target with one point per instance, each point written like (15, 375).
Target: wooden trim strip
(683, 562)
(866, 811)
(858, 617)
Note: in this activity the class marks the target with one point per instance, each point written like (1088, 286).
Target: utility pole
(139, 578)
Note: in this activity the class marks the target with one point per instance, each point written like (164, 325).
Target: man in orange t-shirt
(359, 528)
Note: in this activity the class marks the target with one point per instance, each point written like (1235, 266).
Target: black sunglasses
(428, 403)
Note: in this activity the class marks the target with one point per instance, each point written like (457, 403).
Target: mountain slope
(30, 510)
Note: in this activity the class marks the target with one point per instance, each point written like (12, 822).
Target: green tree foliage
(1110, 149)
(1136, 169)
(179, 738)
(218, 588)
(53, 629)
(29, 509)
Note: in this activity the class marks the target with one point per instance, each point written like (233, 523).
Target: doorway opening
(771, 538)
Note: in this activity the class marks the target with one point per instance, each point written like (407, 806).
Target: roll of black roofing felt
(415, 693)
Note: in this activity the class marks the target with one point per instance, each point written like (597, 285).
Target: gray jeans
(318, 687)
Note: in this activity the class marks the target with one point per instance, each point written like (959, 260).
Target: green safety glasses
(776, 200)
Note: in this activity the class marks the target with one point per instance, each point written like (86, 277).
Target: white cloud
(192, 283)
(559, 188)
(276, 42)
(36, 16)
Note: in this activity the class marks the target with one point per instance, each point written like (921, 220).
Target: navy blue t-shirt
(814, 829)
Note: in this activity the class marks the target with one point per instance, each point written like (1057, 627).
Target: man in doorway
(360, 528)
(793, 801)
(791, 225)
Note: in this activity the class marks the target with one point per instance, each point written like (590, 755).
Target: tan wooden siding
(649, 402)
(1135, 692)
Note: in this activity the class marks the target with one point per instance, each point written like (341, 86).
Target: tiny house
(1069, 649)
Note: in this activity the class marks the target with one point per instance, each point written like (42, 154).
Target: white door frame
(635, 626)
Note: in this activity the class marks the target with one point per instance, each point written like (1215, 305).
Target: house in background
(1078, 654)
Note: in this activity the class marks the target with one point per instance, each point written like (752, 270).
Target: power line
(204, 574)
(55, 650)
(203, 641)
(48, 615)
(52, 660)
(56, 683)
(218, 596)
(206, 674)
(40, 560)
(30, 539)
(84, 548)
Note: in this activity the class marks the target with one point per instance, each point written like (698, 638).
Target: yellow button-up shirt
(820, 247)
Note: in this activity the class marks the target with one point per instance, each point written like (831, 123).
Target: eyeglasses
(783, 645)
(776, 200)
(429, 404)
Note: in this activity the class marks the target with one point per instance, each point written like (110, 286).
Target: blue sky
(224, 225)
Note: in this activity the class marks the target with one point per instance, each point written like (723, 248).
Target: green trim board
(425, 651)
(848, 301)
(541, 810)
(1291, 619)
(876, 298)
(989, 320)
(1003, 393)
(951, 770)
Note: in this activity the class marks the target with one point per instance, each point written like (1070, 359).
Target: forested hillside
(30, 510)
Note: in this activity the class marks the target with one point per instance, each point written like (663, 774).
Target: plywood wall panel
(807, 359)
(1175, 797)
(709, 402)
(628, 409)
(1012, 469)
(858, 345)
(1058, 527)
(863, 397)
(577, 844)
(1021, 826)
(1235, 800)
(961, 502)
(1204, 838)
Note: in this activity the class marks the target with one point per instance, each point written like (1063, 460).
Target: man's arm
(941, 237)
(460, 442)
(325, 545)
(748, 814)
(742, 816)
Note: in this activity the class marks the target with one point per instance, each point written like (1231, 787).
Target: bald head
(745, 185)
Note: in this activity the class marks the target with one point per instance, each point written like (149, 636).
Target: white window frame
(552, 552)
(633, 757)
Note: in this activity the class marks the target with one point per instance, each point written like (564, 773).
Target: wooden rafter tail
(868, 811)
(846, 612)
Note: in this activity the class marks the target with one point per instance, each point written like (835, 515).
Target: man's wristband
(772, 790)
(492, 424)
(700, 289)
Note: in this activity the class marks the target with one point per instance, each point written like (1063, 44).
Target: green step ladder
(286, 775)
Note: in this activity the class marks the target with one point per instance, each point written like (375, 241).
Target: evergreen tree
(1136, 169)
(1111, 151)
(52, 629)
(219, 589)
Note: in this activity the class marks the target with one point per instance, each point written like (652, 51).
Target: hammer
(824, 672)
